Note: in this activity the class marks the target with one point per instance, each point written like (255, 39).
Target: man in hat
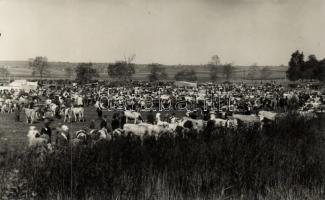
(47, 129)
(63, 137)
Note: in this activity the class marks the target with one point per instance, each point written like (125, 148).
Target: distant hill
(21, 70)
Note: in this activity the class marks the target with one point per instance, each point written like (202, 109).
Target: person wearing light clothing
(63, 136)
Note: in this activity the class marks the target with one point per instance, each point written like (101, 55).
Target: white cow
(132, 115)
(159, 122)
(247, 119)
(68, 113)
(30, 114)
(143, 129)
(267, 115)
(34, 137)
(198, 124)
(218, 122)
(137, 129)
(80, 111)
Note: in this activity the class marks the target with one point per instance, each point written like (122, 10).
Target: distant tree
(85, 73)
(69, 72)
(4, 72)
(214, 70)
(319, 71)
(39, 66)
(227, 71)
(129, 59)
(122, 70)
(265, 72)
(103, 69)
(308, 67)
(253, 71)
(312, 68)
(215, 60)
(214, 67)
(186, 75)
(157, 72)
(295, 64)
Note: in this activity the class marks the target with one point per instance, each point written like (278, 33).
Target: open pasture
(13, 134)
(21, 69)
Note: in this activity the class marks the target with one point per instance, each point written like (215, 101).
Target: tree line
(123, 70)
(305, 69)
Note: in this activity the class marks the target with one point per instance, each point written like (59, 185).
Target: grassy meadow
(285, 160)
(21, 70)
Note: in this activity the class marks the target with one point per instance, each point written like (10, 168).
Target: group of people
(234, 98)
(239, 98)
(61, 136)
(223, 101)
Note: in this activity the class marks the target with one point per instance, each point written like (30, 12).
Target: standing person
(63, 137)
(115, 122)
(31, 105)
(46, 130)
(151, 117)
(173, 118)
(103, 133)
(17, 113)
(285, 104)
(92, 125)
(103, 122)
(68, 102)
(206, 114)
(108, 124)
(88, 97)
(99, 112)
(123, 120)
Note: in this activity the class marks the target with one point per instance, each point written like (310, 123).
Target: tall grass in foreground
(285, 160)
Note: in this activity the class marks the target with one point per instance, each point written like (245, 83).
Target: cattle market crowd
(167, 107)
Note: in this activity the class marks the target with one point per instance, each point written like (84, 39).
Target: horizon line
(76, 62)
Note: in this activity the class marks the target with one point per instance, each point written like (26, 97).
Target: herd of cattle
(224, 105)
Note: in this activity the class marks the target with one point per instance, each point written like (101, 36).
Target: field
(20, 70)
(284, 161)
(13, 134)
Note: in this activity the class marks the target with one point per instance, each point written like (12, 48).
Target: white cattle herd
(226, 105)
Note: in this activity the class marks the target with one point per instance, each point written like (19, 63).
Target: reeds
(282, 161)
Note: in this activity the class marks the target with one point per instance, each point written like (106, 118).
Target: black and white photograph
(162, 99)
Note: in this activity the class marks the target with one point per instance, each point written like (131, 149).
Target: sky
(242, 32)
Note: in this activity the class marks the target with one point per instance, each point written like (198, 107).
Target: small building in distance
(20, 85)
